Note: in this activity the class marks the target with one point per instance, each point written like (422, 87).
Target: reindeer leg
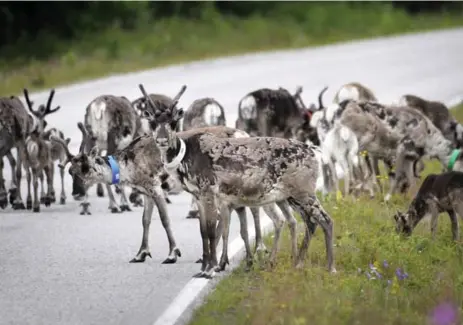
(14, 181)
(313, 213)
(112, 201)
(278, 223)
(49, 175)
(224, 231)
(35, 183)
(292, 224)
(174, 252)
(42, 187)
(260, 246)
(124, 202)
(29, 196)
(3, 194)
(208, 222)
(62, 199)
(51, 183)
(99, 190)
(85, 205)
(15, 194)
(143, 252)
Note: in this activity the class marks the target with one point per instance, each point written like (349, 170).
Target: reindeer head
(90, 168)
(42, 111)
(163, 121)
(403, 222)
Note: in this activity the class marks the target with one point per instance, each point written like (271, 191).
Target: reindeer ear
(177, 114)
(94, 152)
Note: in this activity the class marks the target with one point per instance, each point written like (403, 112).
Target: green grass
(364, 234)
(175, 40)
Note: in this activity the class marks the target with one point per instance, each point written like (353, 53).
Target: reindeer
(437, 194)
(439, 114)
(138, 165)
(201, 113)
(39, 151)
(254, 171)
(112, 124)
(400, 133)
(274, 112)
(354, 91)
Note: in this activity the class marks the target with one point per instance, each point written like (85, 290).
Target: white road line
(194, 287)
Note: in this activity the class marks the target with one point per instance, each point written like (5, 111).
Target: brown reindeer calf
(438, 193)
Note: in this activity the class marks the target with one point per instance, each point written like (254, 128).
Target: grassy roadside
(364, 235)
(175, 40)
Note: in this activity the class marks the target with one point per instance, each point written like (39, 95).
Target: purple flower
(400, 275)
(372, 267)
(444, 314)
(385, 264)
(368, 275)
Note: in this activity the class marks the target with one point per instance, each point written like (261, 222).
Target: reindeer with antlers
(39, 156)
(239, 172)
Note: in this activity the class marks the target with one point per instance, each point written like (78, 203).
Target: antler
(176, 99)
(147, 98)
(85, 136)
(69, 155)
(320, 97)
(28, 101)
(50, 99)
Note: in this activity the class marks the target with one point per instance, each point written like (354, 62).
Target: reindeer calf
(438, 193)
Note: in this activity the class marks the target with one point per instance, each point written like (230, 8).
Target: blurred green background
(48, 43)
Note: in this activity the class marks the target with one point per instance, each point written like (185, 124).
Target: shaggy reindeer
(254, 171)
(201, 113)
(403, 133)
(139, 165)
(57, 154)
(15, 125)
(437, 194)
(354, 91)
(274, 112)
(439, 114)
(39, 151)
(112, 124)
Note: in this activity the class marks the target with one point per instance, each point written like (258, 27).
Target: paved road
(58, 267)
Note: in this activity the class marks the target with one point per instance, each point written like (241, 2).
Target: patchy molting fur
(250, 172)
(438, 194)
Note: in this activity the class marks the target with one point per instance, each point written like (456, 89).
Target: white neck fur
(177, 159)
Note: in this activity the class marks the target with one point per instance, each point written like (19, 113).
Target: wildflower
(368, 275)
(385, 264)
(444, 314)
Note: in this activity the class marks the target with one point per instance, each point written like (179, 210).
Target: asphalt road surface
(58, 267)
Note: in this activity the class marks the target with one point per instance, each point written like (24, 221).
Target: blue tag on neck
(114, 169)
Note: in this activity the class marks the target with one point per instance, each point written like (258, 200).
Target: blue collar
(114, 169)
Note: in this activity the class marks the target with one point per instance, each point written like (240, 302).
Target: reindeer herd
(279, 155)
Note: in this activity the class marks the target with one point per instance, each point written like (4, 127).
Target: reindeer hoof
(209, 274)
(36, 209)
(199, 261)
(100, 191)
(86, 212)
(193, 214)
(62, 200)
(3, 203)
(125, 207)
(13, 194)
(47, 201)
(140, 258)
(172, 259)
(18, 206)
(29, 204)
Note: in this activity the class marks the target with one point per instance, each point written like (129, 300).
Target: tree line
(22, 21)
